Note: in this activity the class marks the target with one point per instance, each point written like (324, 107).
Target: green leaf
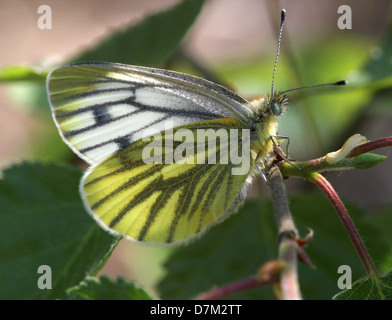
(380, 58)
(107, 289)
(233, 250)
(43, 222)
(22, 73)
(236, 248)
(367, 160)
(370, 288)
(150, 42)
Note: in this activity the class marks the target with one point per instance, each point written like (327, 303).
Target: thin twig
(287, 237)
(281, 273)
(349, 162)
(235, 287)
(281, 204)
(289, 285)
(348, 223)
(370, 146)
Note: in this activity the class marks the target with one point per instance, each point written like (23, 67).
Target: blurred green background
(234, 43)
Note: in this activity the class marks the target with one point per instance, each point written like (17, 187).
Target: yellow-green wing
(165, 202)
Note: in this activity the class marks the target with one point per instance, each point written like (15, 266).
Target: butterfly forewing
(101, 108)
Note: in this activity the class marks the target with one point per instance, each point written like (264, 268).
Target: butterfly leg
(262, 174)
(283, 156)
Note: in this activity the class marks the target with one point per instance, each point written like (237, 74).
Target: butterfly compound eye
(276, 108)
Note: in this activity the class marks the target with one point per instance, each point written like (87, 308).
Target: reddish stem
(362, 148)
(371, 145)
(235, 287)
(327, 188)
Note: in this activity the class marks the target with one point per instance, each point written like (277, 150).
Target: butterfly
(102, 111)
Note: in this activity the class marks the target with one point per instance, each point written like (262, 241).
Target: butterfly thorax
(264, 125)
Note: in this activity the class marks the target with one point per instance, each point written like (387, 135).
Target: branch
(370, 146)
(267, 275)
(287, 238)
(238, 286)
(350, 156)
(353, 154)
(348, 223)
(281, 273)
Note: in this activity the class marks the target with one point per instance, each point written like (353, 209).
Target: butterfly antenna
(282, 18)
(338, 83)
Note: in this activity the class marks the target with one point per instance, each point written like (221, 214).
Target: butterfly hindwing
(166, 202)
